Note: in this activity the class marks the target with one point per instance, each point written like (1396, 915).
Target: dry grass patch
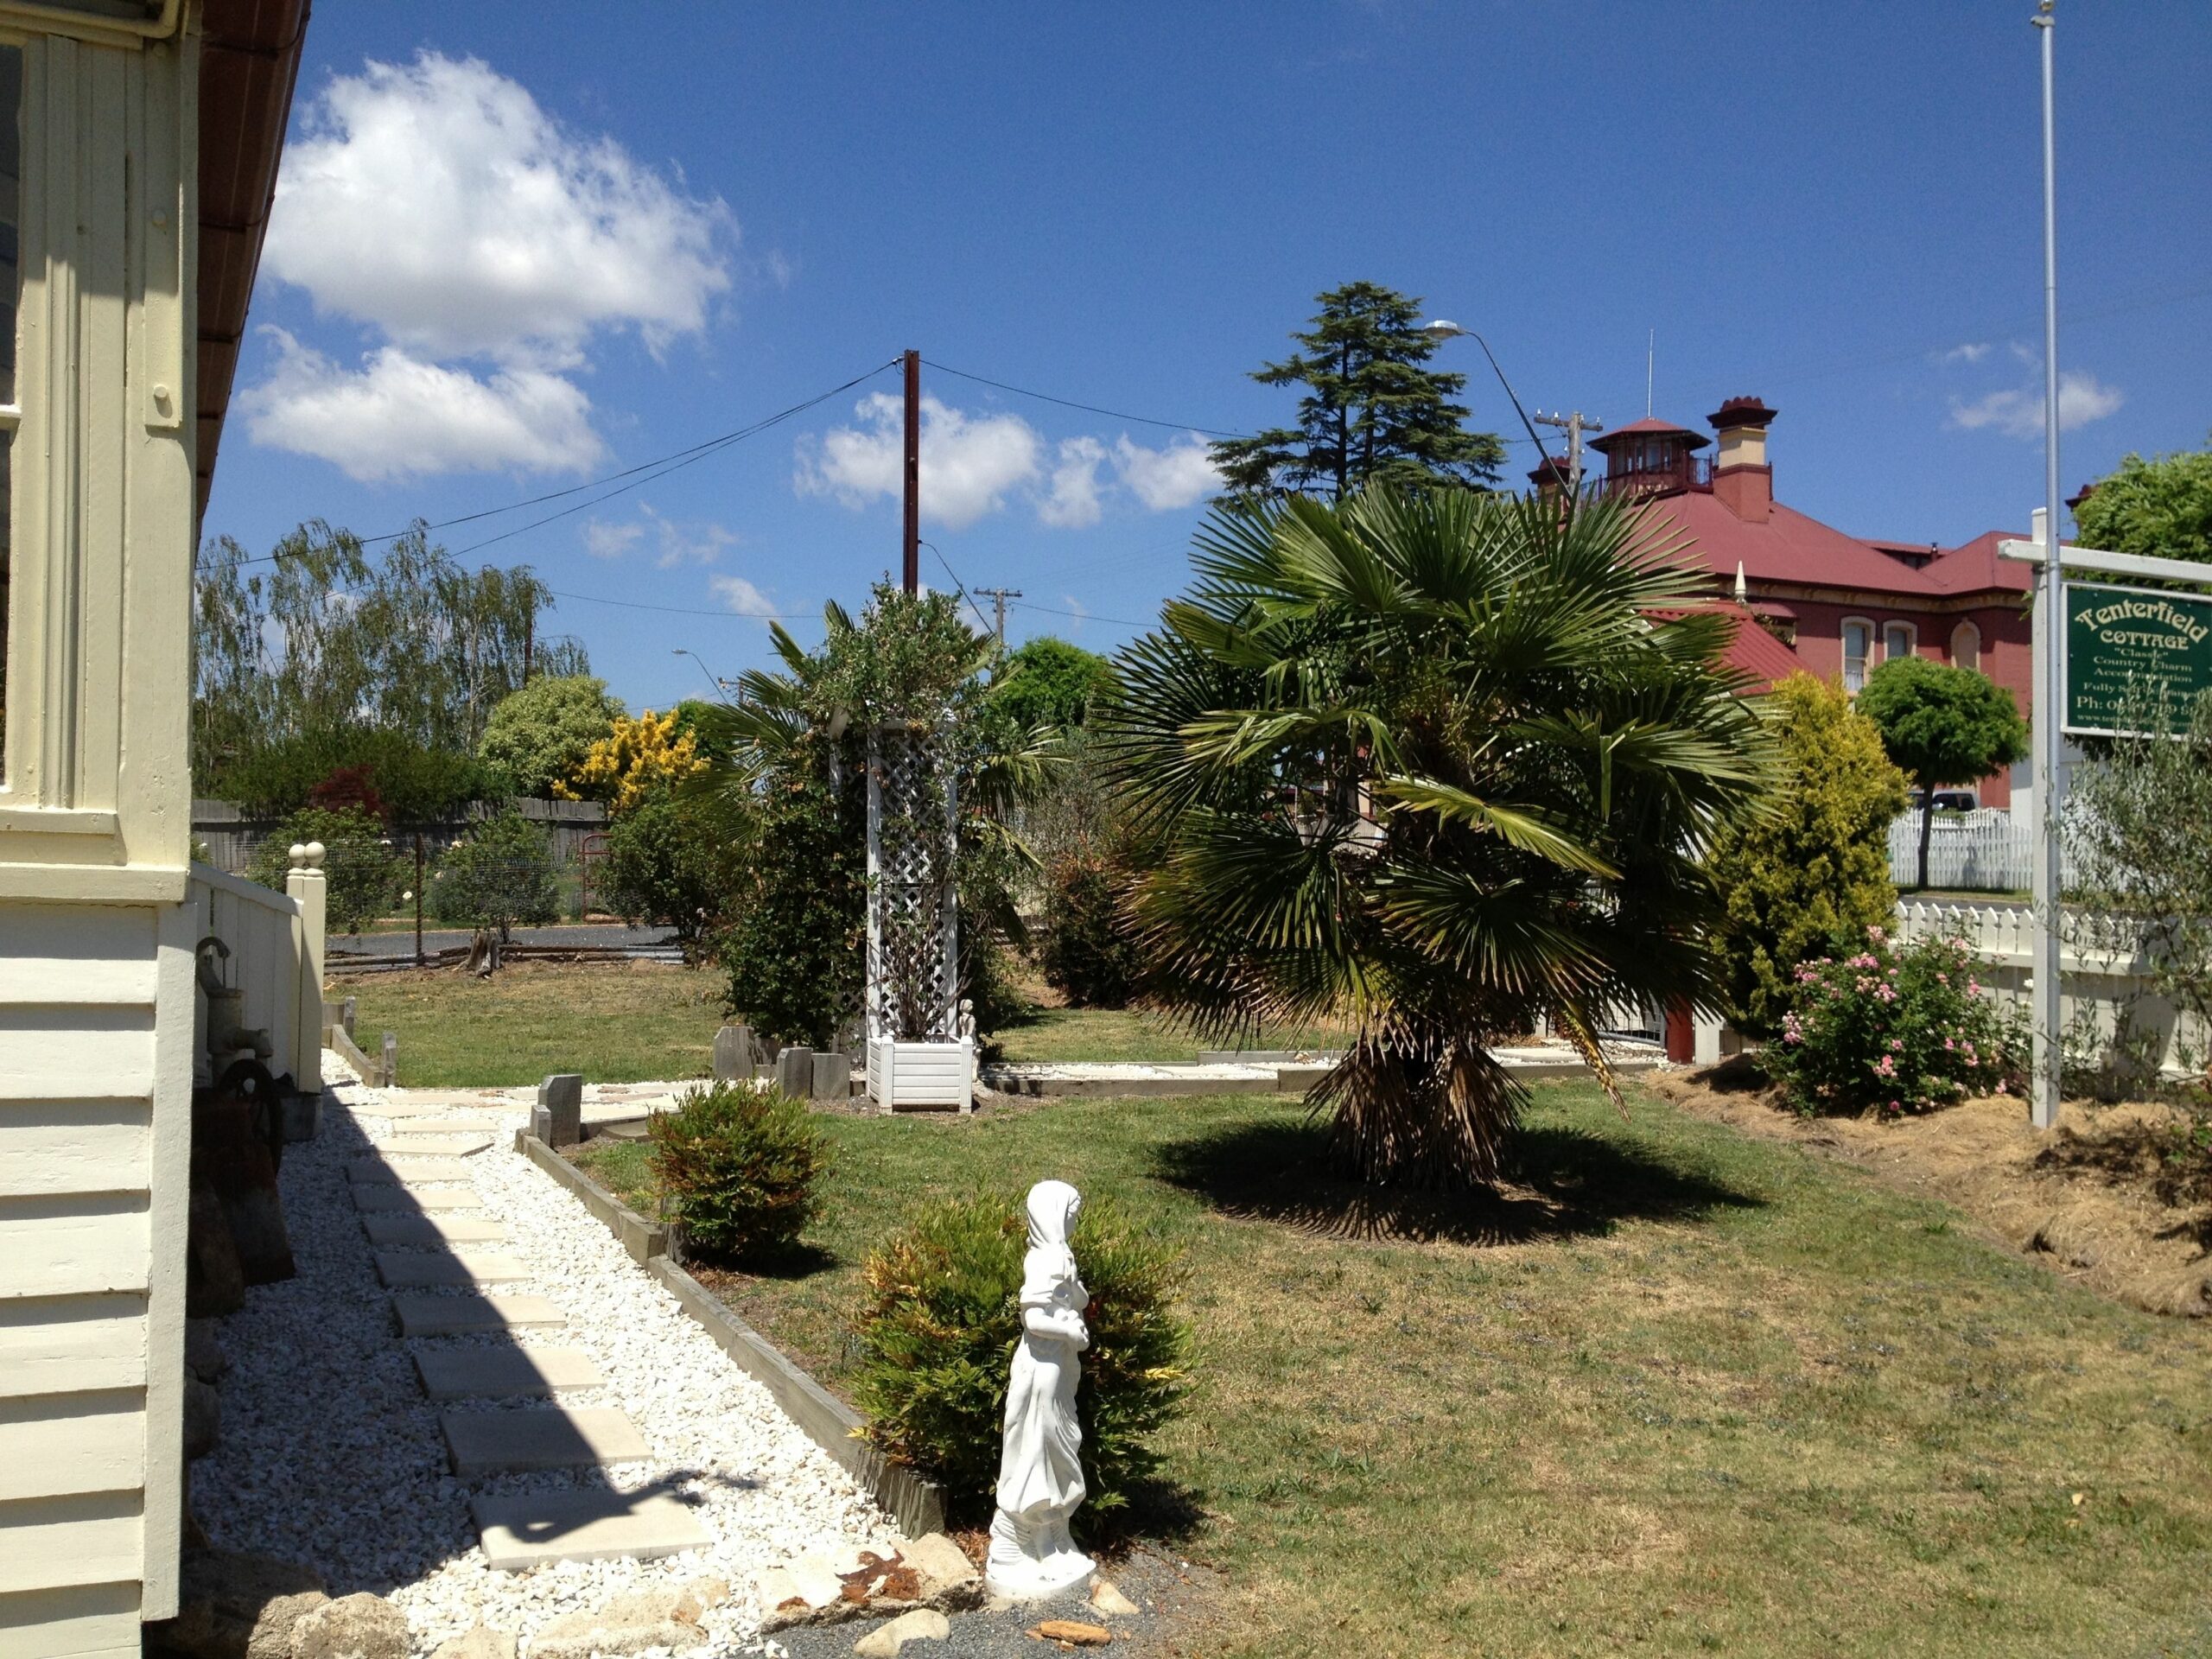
(2095, 1199)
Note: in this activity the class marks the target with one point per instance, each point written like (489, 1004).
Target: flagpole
(2048, 1054)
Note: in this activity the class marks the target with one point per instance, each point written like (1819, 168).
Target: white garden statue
(1040, 1467)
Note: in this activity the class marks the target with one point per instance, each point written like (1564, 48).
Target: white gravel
(330, 1454)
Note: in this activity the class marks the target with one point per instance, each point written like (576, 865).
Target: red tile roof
(1794, 547)
(1752, 651)
(1639, 429)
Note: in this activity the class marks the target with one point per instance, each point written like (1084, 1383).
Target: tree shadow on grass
(1565, 1183)
(795, 1262)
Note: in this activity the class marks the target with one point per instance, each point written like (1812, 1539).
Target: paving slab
(430, 1233)
(454, 1267)
(434, 1146)
(504, 1373)
(499, 1442)
(397, 1172)
(425, 1313)
(518, 1533)
(395, 1200)
(402, 1127)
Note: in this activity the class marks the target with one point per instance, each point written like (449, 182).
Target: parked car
(1949, 800)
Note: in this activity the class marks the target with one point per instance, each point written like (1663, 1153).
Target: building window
(11, 292)
(1966, 646)
(1858, 641)
(1898, 639)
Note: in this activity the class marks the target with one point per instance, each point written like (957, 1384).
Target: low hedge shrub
(738, 1168)
(1892, 1029)
(937, 1331)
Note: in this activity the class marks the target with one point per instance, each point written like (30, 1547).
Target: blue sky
(542, 243)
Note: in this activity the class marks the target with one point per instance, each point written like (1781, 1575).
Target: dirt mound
(2096, 1200)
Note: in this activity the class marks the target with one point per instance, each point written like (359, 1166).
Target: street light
(721, 687)
(1441, 330)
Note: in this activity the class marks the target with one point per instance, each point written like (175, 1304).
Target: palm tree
(1430, 766)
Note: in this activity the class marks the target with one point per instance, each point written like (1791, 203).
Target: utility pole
(998, 596)
(913, 567)
(1574, 426)
(2046, 1010)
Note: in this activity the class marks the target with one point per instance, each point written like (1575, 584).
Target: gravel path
(330, 1454)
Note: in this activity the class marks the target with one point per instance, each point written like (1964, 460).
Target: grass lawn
(625, 1022)
(1126, 1034)
(1686, 1392)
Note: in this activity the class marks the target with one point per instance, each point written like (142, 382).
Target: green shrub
(936, 1333)
(414, 784)
(737, 1167)
(1889, 1029)
(499, 876)
(1818, 864)
(666, 865)
(1088, 953)
(539, 734)
(365, 875)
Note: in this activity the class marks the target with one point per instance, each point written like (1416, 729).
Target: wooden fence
(275, 941)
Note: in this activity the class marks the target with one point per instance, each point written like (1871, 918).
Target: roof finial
(1743, 587)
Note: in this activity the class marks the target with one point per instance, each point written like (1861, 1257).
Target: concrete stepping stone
(425, 1313)
(429, 1233)
(370, 1200)
(518, 1533)
(436, 1146)
(504, 1373)
(403, 1128)
(455, 1268)
(397, 1172)
(504, 1442)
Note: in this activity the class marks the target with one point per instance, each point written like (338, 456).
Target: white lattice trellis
(913, 958)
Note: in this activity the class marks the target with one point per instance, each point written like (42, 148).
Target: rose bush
(1892, 1029)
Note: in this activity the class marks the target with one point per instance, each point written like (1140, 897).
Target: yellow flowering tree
(638, 760)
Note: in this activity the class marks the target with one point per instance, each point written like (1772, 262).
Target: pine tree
(1371, 412)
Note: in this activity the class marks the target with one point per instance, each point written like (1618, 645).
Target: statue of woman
(1040, 1467)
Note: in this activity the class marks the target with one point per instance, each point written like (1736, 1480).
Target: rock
(1109, 1600)
(644, 1618)
(203, 1355)
(922, 1624)
(700, 1595)
(949, 1578)
(231, 1605)
(484, 1642)
(1073, 1631)
(215, 1281)
(360, 1626)
(203, 1419)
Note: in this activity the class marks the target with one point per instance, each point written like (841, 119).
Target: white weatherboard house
(138, 144)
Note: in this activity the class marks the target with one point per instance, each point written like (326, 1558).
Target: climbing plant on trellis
(913, 962)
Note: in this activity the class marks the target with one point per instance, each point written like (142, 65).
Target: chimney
(1741, 478)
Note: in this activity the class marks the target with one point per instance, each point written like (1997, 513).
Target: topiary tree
(540, 735)
(937, 1331)
(1941, 725)
(1815, 865)
(365, 875)
(499, 876)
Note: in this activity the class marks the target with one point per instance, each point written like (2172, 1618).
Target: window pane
(1896, 640)
(1855, 639)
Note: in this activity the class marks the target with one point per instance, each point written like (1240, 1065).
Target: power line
(1088, 409)
(1086, 616)
(685, 610)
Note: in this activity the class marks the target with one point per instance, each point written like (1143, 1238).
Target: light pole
(2050, 697)
(721, 688)
(1439, 330)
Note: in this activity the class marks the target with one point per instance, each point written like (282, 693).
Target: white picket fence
(2095, 985)
(275, 941)
(1975, 852)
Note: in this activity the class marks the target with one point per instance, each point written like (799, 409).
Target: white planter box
(921, 1077)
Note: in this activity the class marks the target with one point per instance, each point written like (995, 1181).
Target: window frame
(1866, 654)
(1966, 625)
(1911, 631)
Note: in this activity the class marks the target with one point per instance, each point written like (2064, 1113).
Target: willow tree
(1430, 766)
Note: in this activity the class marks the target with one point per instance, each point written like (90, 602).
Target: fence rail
(1980, 852)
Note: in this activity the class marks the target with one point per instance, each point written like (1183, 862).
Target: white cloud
(2018, 412)
(436, 201)
(1179, 476)
(970, 463)
(1070, 497)
(399, 417)
(605, 541)
(437, 205)
(1971, 352)
(739, 595)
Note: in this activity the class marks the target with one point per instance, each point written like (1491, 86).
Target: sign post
(2093, 640)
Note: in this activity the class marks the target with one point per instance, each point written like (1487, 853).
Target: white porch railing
(2096, 986)
(276, 941)
(1979, 852)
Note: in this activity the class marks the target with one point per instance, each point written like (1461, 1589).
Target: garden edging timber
(915, 1502)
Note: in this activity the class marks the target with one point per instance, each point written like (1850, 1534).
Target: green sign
(2119, 638)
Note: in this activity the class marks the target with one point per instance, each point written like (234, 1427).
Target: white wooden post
(307, 885)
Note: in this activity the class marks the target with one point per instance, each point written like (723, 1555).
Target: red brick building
(1837, 604)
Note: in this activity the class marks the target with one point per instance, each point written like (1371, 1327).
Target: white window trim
(1912, 640)
(1867, 659)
